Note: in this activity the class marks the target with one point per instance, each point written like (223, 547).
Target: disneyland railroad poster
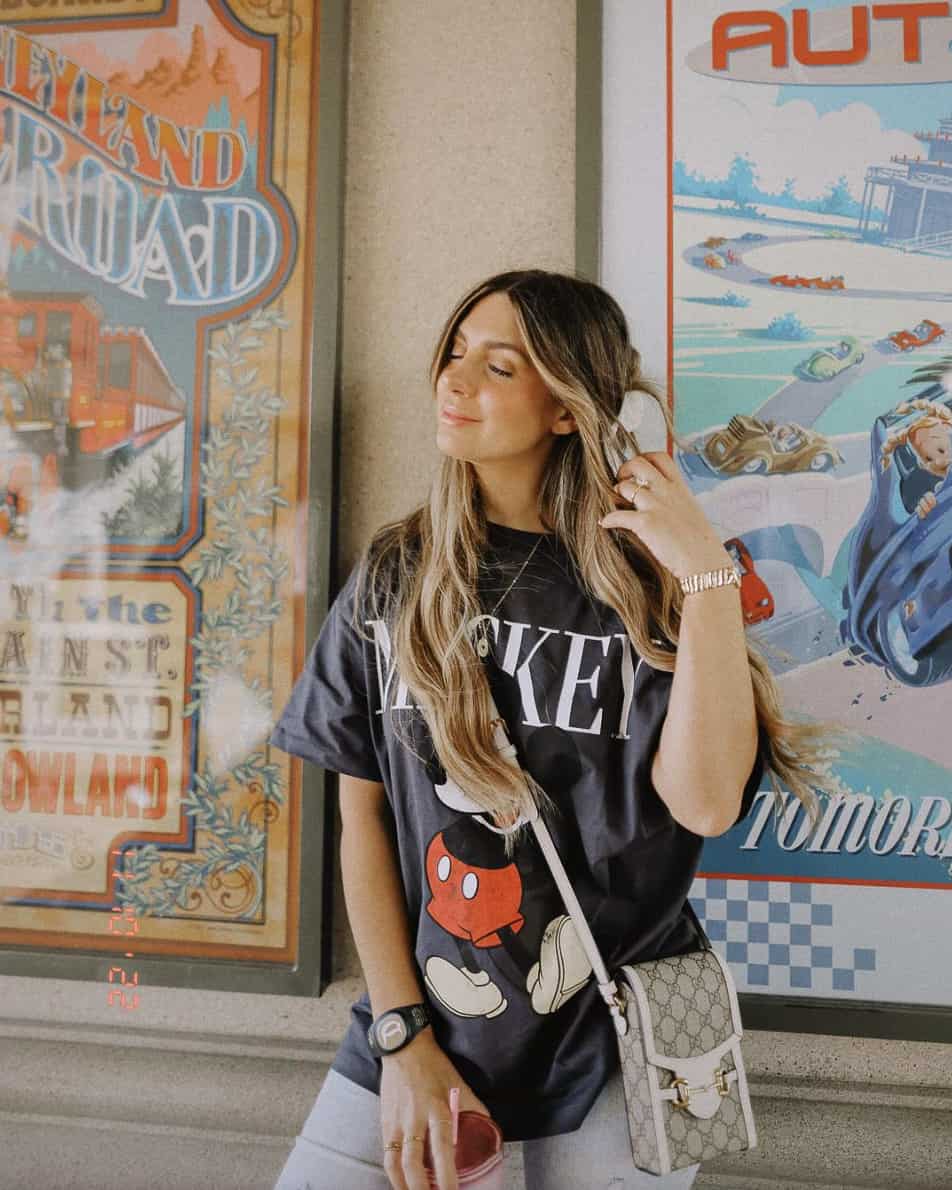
(807, 159)
(155, 314)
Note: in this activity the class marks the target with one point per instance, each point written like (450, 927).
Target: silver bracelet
(725, 576)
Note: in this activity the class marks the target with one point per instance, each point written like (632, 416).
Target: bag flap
(688, 1008)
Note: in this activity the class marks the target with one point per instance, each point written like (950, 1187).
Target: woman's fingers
(639, 486)
(393, 1164)
(664, 463)
(441, 1152)
(441, 1138)
(633, 494)
(403, 1156)
(416, 1117)
(622, 519)
(414, 1142)
(655, 465)
(638, 465)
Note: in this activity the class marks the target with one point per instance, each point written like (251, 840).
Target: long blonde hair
(420, 573)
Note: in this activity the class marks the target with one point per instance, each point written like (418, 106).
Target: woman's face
(492, 405)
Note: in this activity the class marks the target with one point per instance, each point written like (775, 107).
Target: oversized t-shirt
(511, 995)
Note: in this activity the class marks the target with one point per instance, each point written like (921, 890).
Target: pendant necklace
(482, 640)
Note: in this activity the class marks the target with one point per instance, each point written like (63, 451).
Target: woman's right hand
(414, 1100)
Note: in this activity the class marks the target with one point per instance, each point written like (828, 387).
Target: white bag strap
(606, 985)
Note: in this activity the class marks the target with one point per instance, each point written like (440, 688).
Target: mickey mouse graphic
(486, 902)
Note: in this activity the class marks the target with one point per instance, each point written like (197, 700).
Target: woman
(539, 571)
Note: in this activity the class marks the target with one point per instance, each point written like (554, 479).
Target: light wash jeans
(340, 1148)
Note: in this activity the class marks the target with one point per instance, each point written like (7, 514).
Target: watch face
(391, 1031)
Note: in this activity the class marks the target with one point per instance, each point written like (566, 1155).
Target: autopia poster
(807, 163)
(155, 315)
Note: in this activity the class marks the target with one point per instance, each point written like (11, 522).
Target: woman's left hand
(658, 507)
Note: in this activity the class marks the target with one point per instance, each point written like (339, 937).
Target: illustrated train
(74, 390)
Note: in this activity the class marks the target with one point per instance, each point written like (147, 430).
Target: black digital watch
(394, 1029)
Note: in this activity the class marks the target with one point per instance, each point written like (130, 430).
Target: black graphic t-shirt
(510, 991)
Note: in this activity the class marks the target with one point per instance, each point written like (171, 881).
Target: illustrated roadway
(802, 401)
(805, 402)
(743, 273)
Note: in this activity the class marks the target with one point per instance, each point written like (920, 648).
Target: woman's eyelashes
(494, 368)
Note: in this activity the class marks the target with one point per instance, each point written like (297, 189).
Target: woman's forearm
(377, 911)
(709, 738)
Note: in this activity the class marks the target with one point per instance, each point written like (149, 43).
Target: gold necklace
(482, 640)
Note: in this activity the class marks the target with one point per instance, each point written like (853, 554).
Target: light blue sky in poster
(909, 108)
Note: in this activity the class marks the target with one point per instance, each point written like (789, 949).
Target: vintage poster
(156, 304)
(807, 158)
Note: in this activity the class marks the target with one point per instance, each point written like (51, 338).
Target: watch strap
(411, 1019)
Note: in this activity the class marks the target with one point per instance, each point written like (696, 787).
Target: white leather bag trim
(651, 1068)
(731, 993)
(654, 1086)
(738, 1057)
(745, 1104)
(657, 1115)
(699, 1069)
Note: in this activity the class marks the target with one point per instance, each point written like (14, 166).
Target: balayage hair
(419, 574)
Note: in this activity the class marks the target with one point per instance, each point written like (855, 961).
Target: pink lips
(449, 414)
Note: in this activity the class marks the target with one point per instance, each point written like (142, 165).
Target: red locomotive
(73, 390)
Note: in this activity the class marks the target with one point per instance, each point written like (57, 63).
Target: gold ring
(406, 1138)
(641, 482)
(393, 1144)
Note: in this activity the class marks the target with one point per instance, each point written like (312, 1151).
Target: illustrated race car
(756, 601)
(831, 361)
(798, 282)
(714, 241)
(924, 332)
(714, 260)
(750, 446)
(898, 594)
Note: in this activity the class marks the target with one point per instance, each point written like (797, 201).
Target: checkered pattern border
(776, 935)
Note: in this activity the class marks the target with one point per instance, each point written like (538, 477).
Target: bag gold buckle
(682, 1089)
(682, 1093)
